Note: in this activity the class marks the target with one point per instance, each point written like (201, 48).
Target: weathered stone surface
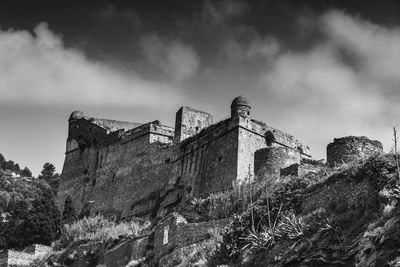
(125, 252)
(338, 194)
(350, 148)
(143, 170)
(376, 248)
(190, 122)
(302, 169)
(269, 161)
(174, 232)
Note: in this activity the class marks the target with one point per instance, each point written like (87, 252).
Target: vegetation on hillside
(280, 229)
(346, 216)
(11, 165)
(97, 233)
(31, 215)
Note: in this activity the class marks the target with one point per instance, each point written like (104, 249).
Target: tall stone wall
(122, 178)
(249, 142)
(350, 148)
(209, 161)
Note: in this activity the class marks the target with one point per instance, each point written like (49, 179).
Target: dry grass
(99, 228)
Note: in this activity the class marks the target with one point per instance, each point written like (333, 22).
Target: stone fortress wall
(128, 169)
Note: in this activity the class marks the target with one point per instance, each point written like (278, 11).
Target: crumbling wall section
(174, 232)
(350, 148)
(302, 169)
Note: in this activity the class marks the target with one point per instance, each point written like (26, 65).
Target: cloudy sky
(315, 69)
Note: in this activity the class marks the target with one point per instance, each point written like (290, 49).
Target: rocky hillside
(343, 216)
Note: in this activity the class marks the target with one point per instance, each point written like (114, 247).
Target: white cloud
(375, 47)
(346, 83)
(176, 60)
(38, 69)
(223, 10)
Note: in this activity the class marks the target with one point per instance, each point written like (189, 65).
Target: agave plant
(264, 239)
(292, 226)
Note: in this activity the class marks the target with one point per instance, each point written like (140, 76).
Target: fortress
(128, 169)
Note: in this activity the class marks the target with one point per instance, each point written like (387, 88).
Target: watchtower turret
(76, 115)
(240, 107)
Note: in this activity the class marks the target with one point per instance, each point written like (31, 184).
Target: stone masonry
(128, 169)
(350, 148)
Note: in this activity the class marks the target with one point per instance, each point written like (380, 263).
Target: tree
(32, 213)
(47, 172)
(26, 172)
(29, 224)
(2, 161)
(9, 165)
